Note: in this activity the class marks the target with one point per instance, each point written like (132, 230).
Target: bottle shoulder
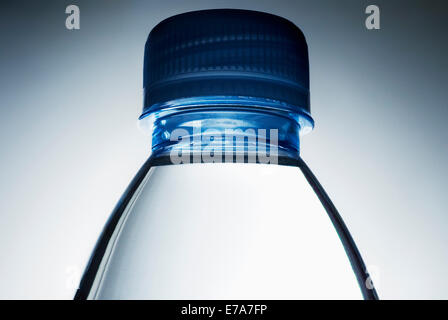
(213, 231)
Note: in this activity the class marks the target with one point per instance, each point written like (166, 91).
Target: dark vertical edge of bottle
(100, 248)
(350, 247)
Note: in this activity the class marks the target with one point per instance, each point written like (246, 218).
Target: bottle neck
(223, 130)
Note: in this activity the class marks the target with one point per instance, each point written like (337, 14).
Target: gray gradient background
(70, 145)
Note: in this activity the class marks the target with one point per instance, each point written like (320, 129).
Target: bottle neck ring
(225, 129)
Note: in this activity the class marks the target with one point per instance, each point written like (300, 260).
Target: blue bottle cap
(239, 55)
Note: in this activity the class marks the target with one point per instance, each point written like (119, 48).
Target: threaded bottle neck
(226, 129)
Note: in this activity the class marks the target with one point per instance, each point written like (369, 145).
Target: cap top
(226, 53)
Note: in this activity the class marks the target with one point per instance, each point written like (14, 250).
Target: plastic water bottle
(225, 208)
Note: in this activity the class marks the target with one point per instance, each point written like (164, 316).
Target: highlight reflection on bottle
(225, 208)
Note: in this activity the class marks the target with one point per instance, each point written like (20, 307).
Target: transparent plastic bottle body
(225, 231)
(229, 88)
